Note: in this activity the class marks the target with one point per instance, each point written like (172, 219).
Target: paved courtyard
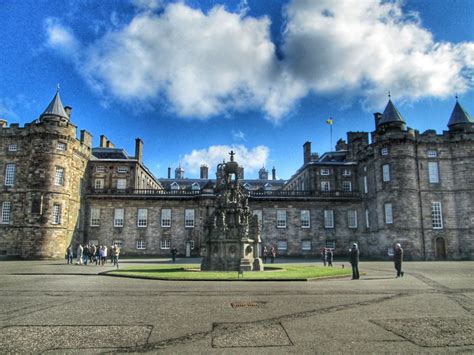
(50, 307)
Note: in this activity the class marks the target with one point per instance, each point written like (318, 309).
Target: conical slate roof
(459, 116)
(55, 108)
(391, 114)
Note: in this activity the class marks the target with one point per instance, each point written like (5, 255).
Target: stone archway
(440, 245)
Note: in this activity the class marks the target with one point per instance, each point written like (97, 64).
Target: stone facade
(401, 186)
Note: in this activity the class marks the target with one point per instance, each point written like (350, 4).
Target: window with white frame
(386, 172)
(328, 219)
(100, 169)
(432, 153)
(141, 244)
(118, 217)
(121, 184)
(61, 146)
(347, 186)
(305, 219)
(118, 242)
(267, 187)
(325, 186)
(331, 244)
(352, 218)
(367, 220)
(56, 215)
(433, 172)
(6, 212)
(306, 245)
(436, 215)
(281, 219)
(174, 186)
(98, 184)
(384, 151)
(166, 217)
(195, 187)
(122, 169)
(366, 186)
(10, 174)
(282, 245)
(189, 218)
(95, 217)
(165, 244)
(388, 213)
(324, 171)
(346, 172)
(59, 176)
(259, 215)
(12, 147)
(142, 217)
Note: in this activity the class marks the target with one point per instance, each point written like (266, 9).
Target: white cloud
(251, 159)
(206, 64)
(238, 135)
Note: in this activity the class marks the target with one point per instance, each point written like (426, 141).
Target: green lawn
(192, 272)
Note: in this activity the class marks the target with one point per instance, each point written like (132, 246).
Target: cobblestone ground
(49, 307)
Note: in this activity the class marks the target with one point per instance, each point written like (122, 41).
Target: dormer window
(324, 171)
(174, 186)
(100, 169)
(384, 151)
(268, 187)
(195, 187)
(247, 186)
(122, 169)
(346, 172)
(12, 147)
(61, 146)
(432, 153)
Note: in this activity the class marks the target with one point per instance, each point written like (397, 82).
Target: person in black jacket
(354, 259)
(329, 256)
(398, 259)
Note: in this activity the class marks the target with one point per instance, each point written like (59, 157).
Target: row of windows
(431, 153)
(59, 146)
(142, 245)
(6, 213)
(120, 169)
(325, 172)
(10, 171)
(306, 245)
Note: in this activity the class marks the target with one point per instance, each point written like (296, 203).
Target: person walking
(265, 254)
(104, 255)
(272, 255)
(116, 253)
(323, 255)
(329, 256)
(174, 251)
(69, 254)
(80, 250)
(98, 255)
(85, 253)
(354, 259)
(398, 259)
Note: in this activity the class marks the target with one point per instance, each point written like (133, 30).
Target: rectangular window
(305, 219)
(384, 151)
(61, 146)
(432, 153)
(306, 245)
(366, 187)
(6, 212)
(346, 186)
(118, 217)
(346, 172)
(121, 184)
(59, 176)
(166, 217)
(352, 218)
(325, 186)
(259, 215)
(98, 184)
(122, 169)
(436, 215)
(12, 147)
(142, 217)
(56, 216)
(433, 172)
(100, 169)
(367, 220)
(324, 171)
(331, 244)
(189, 218)
(141, 245)
(165, 244)
(282, 245)
(328, 219)
(386, 172)
(95, 217)
(388, 213)
(10, 174)
(281, 219)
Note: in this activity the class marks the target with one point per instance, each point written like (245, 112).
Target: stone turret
(263, 173)
(460, 119)
(391, 119)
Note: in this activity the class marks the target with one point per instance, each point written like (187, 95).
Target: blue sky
(194, 78)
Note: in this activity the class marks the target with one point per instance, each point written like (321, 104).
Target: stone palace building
(400, 186)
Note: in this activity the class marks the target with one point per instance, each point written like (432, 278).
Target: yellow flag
(329, 121)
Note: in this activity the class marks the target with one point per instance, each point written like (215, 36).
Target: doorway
(440, 248)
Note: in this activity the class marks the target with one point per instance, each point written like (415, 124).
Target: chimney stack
(274, 174)
(307, 152)
(377, 117)
(3, 123)
(86, 138)
(169, 172)
(139, 150)
(204, 172)
(103, 141)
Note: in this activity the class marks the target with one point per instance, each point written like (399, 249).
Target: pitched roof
(459, 116)
(391, 114)
(55, 108)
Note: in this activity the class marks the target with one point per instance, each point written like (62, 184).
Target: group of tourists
(89, 253)
(269, 253)
(327, 256)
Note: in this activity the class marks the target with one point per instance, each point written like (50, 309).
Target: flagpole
(331, 137)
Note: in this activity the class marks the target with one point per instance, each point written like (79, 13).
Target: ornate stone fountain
(232, 233)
